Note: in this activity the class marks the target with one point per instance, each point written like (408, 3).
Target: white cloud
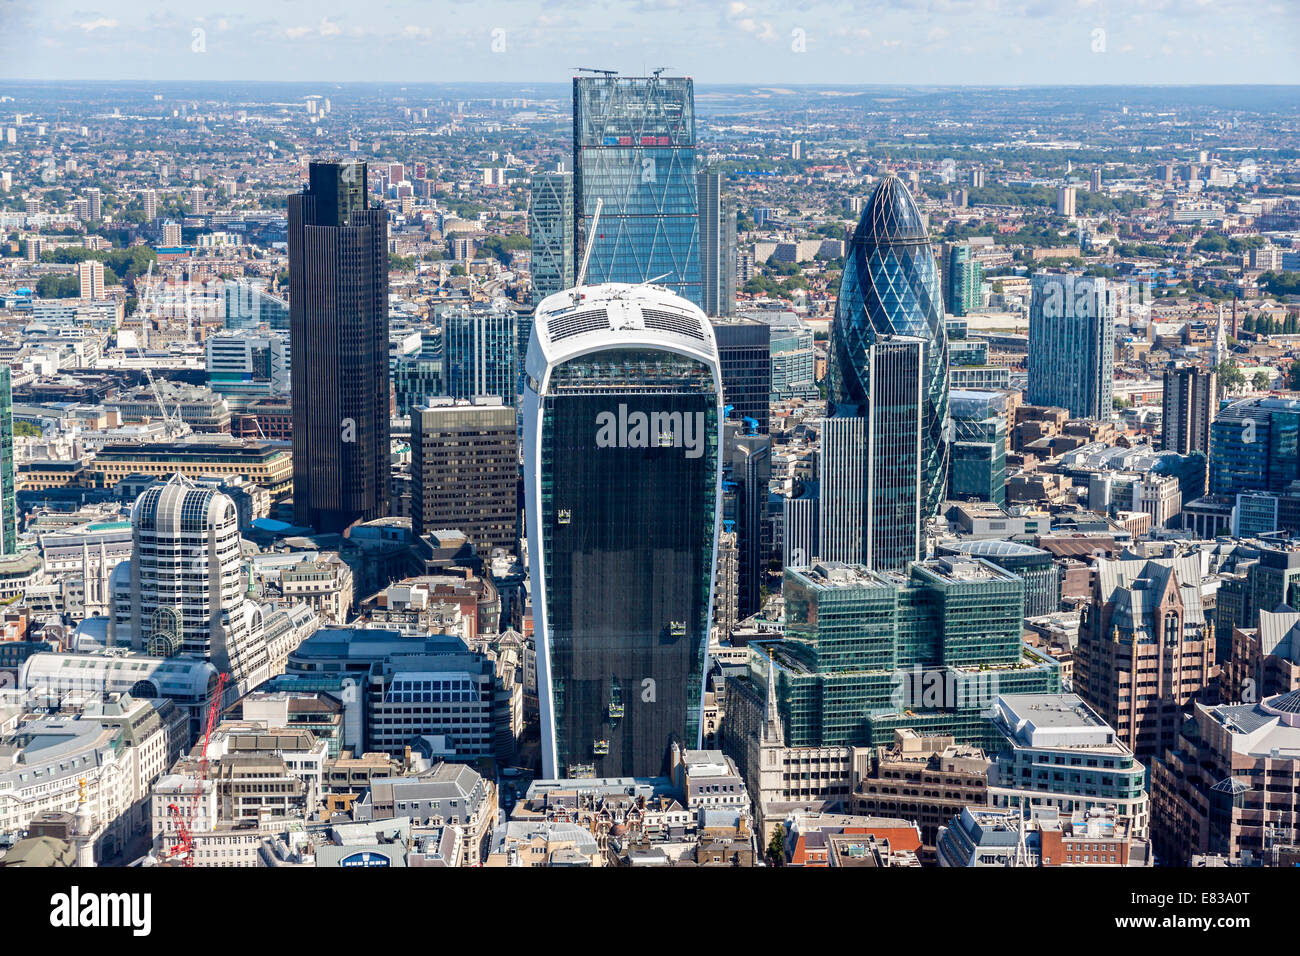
(103, 23)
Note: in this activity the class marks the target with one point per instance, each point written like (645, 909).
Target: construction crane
(171, 427)
(183, 847)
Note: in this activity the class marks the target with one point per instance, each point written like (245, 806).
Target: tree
(1260, 380)
(776, 848)
(1230, 377)
(1293, 376)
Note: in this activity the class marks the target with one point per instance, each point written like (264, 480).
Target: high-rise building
(550, 232)
(1145, 648)
(481, 352)
(171, 235)
(1072, 344)
(747, 471)
(8, 488)
(338, 303)
(1188, 409)
(890, 290)
(979, 446)
(1094, 180)
(90, 272)
(718, 249)
(465, 471)
(1253, 446)
(964, 280)
(842, 491)
(1065, 201)
(866, 653)
(794, 360)
(622, 471)
(895, 452)
(744, 352)
(95, 199)
(183, 591)
(634, 149)
(150, 200)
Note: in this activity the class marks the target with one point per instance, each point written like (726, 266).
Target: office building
(1189, 404)
(866, 653)
(794, 375)
(622, 473)
(1047, 837)
(1034, 566)
(1145, 648)
(550, 232)
(890, 293)
(338, 282)
(979, 446)
(1255, 446)
(744, 351)
(1057, 752)
(465, 471)
(183, 590)
(1072, 344)
(481, 352)
(248, 365)
(841, 500)
(717, 246)
(634, 150)
(1230, 785)
(747, 471)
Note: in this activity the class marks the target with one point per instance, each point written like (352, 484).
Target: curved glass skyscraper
(888, 320)
(622, 478)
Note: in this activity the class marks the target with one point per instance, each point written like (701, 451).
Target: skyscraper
(550, 231)
(842, 497)
(964, 277)
(896, 407)
(465, 471)
(623, 489)
(1188, 409)
(744, 351)
(717, 246)
(890, 291)
(8, 488)
(634, 148)
(183, 591)
(481, 352)
(1072, 344)
(90, 274)
(338, 317)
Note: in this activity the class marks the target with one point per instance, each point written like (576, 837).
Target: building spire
(773, 732)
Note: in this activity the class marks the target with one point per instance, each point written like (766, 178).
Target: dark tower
(338, 322)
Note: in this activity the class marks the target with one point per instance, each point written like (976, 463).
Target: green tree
(1293, 376)
(1230, 377)
(776, 848)
(1260, 380)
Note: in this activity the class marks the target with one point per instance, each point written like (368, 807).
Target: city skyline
(935, 42)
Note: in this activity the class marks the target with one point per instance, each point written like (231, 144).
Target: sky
(848, 42)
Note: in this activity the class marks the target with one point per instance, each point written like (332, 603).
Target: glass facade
(894, 450)
(1255, 446)
(634, 148)
(629, 477)
(965, 280)
(1072, 344)
(550, 229)
(891, 288)
(481, 354)
(865, 653)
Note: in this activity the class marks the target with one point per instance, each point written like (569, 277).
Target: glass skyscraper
(890, 292)
(338, 317)
(718, 249)
(964, 277)
(622, 469)
(634, 148)
(550, 231)
(480, 352)
(1072, 344)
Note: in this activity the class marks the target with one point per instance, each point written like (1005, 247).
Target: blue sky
(975, 42)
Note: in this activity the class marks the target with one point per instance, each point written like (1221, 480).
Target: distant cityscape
(645, 473)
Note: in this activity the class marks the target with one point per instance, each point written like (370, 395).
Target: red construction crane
(184, 845)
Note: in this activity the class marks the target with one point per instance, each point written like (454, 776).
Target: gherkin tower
(889, 298)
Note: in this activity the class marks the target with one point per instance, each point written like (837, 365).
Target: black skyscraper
(338, 320)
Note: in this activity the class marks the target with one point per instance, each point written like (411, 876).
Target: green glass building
(867, 652)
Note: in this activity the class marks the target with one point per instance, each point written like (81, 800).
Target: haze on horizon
(769, 42)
